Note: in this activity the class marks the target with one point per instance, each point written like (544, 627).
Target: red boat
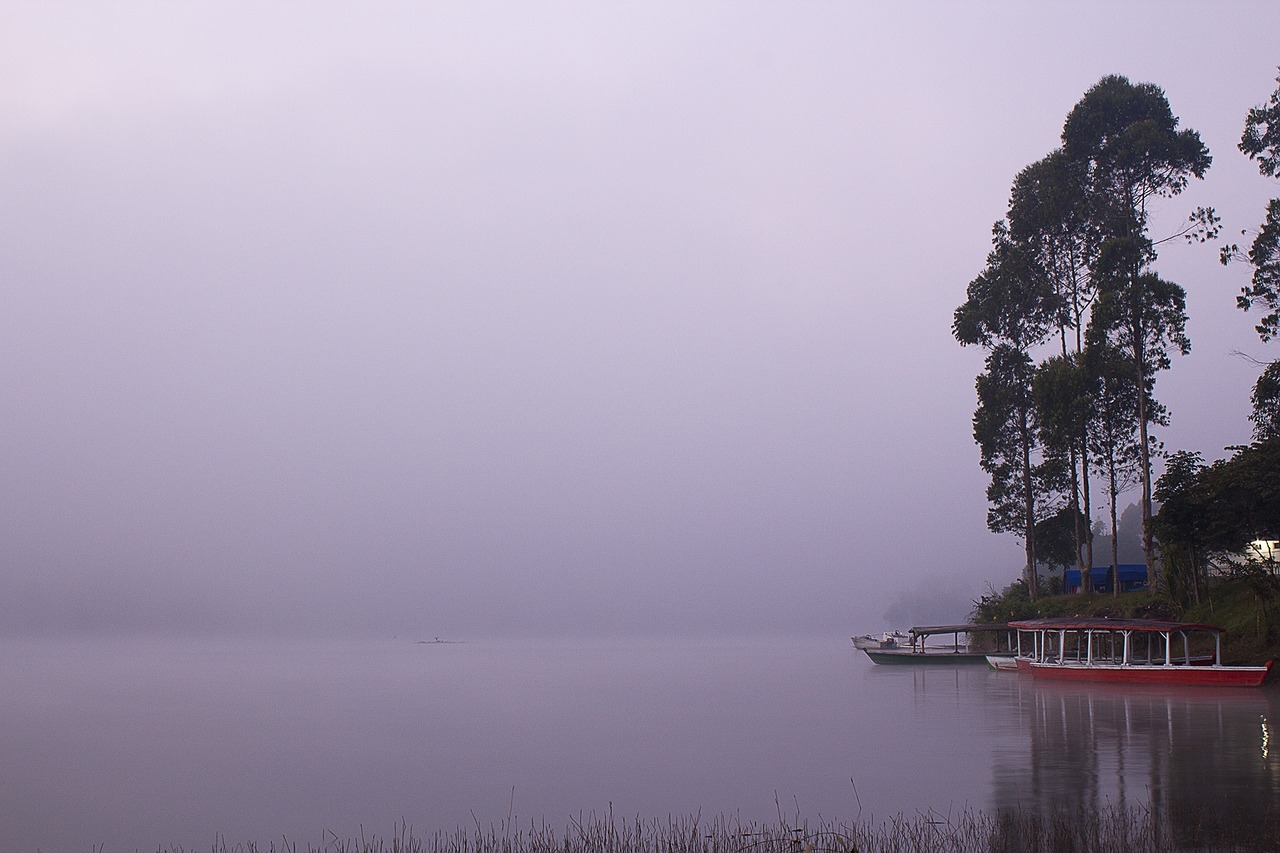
(1129, 651)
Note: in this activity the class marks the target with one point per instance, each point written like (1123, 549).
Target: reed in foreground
(1109, 830)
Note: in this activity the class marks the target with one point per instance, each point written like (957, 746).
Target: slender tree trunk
(1087, 567)
(1088, 507)
(1138, 337)
(1195, 571)
(1081, 499)
(1029, 508)
(1076, 520)
(1114, 494)
(1148, 543)
(1079, 463)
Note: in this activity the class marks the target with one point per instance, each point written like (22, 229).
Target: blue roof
(1130, 576)
(1127, 571)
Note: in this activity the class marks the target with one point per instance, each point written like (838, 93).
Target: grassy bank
(1248, 608)
(1111, 830)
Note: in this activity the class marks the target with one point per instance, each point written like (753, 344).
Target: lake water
(136, 744)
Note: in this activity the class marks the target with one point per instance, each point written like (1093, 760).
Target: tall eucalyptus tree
(1125, 139)
(1048, 212)
(1064, 393)
(1113, 438)
(1145, 317)
(1010, 311)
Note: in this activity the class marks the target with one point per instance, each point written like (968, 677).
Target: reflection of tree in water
(1207, 761)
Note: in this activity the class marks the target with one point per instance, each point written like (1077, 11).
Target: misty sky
(471, 318)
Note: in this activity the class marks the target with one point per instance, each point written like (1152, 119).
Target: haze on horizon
(464, 319)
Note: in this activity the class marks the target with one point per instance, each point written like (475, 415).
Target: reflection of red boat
(1131, 651)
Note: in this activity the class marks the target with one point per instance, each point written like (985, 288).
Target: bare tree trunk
(1195, 572)
(1144, 450)
(1029, 508)
(1115, 534)
(1148, 541)
(1078, 472)
(1076, 522)
(1086, 569)
(1088, 510)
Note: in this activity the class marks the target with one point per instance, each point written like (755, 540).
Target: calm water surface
(139, 744)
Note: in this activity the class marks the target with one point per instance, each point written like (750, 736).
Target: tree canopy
(1261, 142)
(1073, 260)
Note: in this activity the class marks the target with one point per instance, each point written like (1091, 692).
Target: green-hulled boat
(919, 653)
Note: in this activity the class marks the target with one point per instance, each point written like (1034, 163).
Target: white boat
(887, 640)
(1006, 663)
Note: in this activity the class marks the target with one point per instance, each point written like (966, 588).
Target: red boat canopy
(1095, 623)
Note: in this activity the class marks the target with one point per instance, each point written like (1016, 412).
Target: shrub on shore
(1251, 623)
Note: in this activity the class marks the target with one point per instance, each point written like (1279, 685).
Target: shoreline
(1111, 828)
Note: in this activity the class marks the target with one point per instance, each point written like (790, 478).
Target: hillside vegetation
(1246, 606)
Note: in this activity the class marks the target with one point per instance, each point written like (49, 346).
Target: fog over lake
(556, 319)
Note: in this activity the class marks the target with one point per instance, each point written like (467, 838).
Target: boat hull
(906, 657)
(1199, 676)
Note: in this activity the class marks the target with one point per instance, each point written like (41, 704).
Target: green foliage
(1004, 427)
(1049, 214)
(1013, 602)
(1113, 436)
(1010, 302)
(1184, 503)
(1128, 137)
(1140, 313)
(1241, 498)
(1245, 606)
(1056, 538)
(1063, 396)
(1063, 391)
(1266, 404)
(1074, 243)
(1180, 579)
(1212, 509)
(1009, 309)
(1261, 138)
(1210, 514)
(1261, 142)
(1181, 526)
(1132, 150)
(1264, 256)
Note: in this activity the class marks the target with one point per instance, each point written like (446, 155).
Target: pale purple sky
(466, 318)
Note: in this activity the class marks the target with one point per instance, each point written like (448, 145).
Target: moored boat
(1003, 663)
(1130, 651)
(887, 640)
(917, 651)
